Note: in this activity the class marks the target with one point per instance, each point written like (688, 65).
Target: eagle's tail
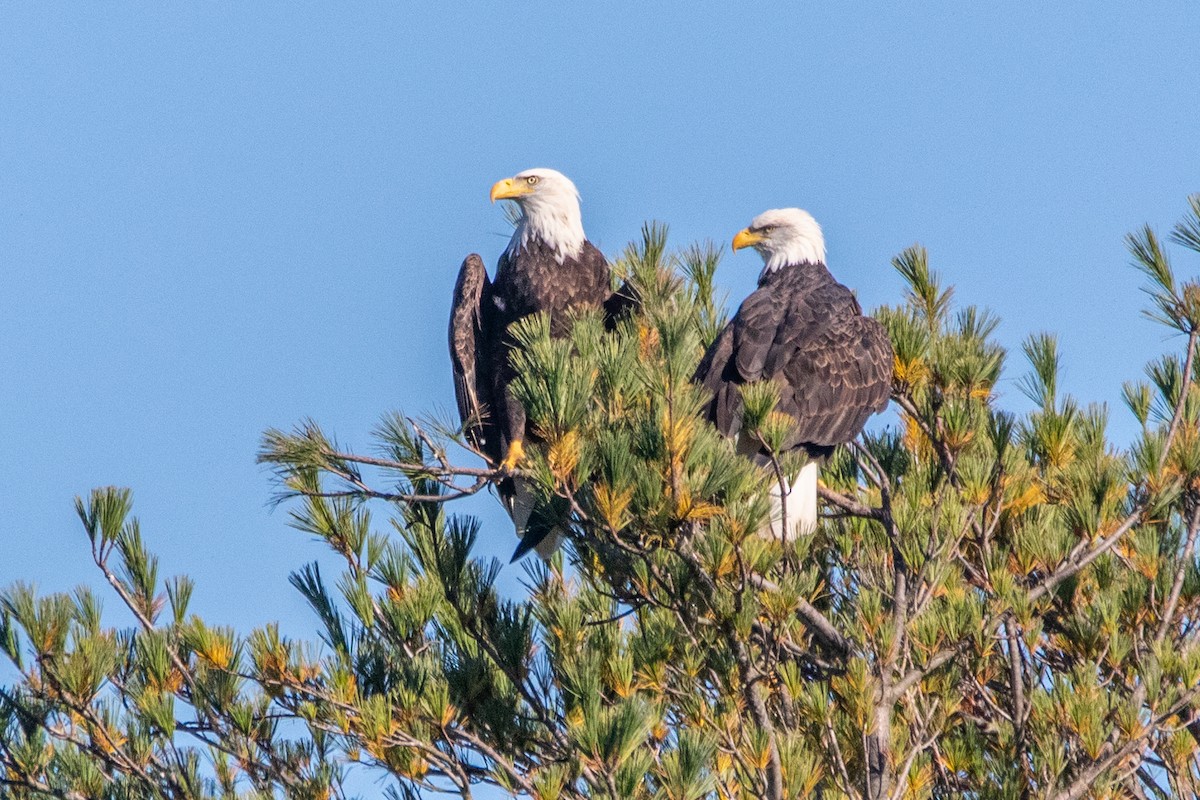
(519, 504)
(799, 503)
(537, 537)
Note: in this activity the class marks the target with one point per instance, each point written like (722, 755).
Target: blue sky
(219, 217)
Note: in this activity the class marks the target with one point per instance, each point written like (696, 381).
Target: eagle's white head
(549, 205)
(783, 236)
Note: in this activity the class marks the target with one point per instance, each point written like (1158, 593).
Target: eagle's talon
(516, 452)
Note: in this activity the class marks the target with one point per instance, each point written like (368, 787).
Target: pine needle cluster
(995, 604)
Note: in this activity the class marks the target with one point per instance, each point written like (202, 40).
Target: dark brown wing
(737, 356)
(834, 377)
(471, 340)
(833, 366)
(624, 301)
(725, 409)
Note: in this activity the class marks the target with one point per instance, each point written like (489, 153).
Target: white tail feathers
(800, 505)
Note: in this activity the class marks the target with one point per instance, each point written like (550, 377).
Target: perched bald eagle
(549, 265)
(806, 332)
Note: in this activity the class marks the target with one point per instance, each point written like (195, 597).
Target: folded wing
(832, 365)
(472, 358)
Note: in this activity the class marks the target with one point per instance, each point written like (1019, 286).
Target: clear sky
(219, 217)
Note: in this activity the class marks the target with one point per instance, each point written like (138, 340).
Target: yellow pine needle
(808, 787)
(726, 566)
(647, 341)
(613, 505)
(345, 688)
(174, 681)
(45, 643)
(959, 441)
(679, 431)
(976, 493)
(377, 750)
(1031, 496)
(919, 781)
(273, 666)
(777, 421)
(107, 741)
(218, 651)
(653, 677)
(692, 508)
(308, 672)
(915, 439)
(910, 372)
(563, 454)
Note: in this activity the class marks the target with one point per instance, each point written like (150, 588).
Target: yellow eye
(532, 180)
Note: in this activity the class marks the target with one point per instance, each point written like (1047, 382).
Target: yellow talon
(516, 452)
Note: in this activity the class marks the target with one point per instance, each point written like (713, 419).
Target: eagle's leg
(516, 452)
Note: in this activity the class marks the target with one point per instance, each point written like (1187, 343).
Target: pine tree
(996, 605)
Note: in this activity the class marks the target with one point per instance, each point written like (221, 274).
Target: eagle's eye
(766, 229)
(532, 180)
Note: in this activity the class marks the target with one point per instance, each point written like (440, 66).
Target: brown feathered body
(530, 278)
(833, 366)
(528, 281)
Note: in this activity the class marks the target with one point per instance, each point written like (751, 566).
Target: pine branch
(1186, 563)
(1074, 565)
(747, 674)
(812, 618)
(1088, 775)
(1173, 427)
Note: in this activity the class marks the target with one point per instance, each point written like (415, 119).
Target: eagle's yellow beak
(746, 238)
(508, 189)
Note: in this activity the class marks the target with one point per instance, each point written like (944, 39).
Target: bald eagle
(806, 332)
(549, 265)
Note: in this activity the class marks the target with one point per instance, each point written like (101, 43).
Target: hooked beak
(746, 238)
(507, 189)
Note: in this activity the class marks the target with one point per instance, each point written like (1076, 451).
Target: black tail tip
(525, 545)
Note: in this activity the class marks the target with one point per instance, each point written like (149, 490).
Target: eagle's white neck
(795, 250)
(554, 218)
